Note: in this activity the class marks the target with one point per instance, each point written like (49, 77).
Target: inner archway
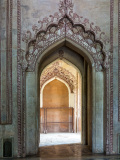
(61, 102)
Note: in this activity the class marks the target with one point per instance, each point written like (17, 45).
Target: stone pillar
(79, 103)
(89, 106)
(97, 115)
(3, 61)
(84, 106)
(31, 114)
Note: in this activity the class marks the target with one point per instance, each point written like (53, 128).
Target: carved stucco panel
(57, 71)
(66, 24)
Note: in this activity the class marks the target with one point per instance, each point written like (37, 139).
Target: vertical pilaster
(118, 60)
(84, 105)
(3, 61)
(111, 75)
(19, 79)
(9, 6)
(0, 61)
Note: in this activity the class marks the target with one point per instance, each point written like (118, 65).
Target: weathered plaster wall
(116, 123)
(8, 129)
(33, 12)
(3, 62)
(56, 119)
(55, 94)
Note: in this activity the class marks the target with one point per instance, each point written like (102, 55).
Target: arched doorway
(60, 102)
(86, 138)
(89, 57)
(63, 71)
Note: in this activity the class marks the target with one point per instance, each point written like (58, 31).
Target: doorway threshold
(51, 139)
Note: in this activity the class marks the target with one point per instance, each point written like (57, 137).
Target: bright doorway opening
(60, 104)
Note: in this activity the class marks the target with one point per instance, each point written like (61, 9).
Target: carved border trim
(111, 75)
(10, 62)
(107, 111)
(118, 60)
(45, 28)
(19, 78)
(7, 59)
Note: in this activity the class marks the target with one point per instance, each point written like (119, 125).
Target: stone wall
(55, 120)
(55, 94)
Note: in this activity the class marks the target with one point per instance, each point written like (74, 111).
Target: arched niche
(50, 80)
(55, 94)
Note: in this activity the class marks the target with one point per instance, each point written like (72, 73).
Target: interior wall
(55, 94)
(98, 12)
(56, 120)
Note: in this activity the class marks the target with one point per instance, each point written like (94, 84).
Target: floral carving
(57, 71)
(67, 24)
(27, 36)
(61, 54)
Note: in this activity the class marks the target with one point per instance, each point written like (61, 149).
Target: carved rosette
(67, 24)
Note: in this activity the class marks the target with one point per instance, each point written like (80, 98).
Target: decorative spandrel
(67, 24)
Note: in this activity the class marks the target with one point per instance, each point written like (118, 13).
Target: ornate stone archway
(61, 26)
(56, 71)
(65, 24)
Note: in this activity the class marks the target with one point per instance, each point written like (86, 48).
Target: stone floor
(74, 151)
(51, 139)
(66, 146)
(64, 151)
(67, 152)
(71, 152)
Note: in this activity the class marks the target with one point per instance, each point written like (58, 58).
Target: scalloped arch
(56, 71)
(51, 31)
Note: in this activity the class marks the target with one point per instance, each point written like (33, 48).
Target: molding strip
(10, 64)
(111, 76)
(118, 60)
(9, 61)
(19, 78)
(107, 110)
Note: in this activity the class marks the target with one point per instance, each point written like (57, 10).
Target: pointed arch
(67, 29)
(47, 82)
(59, 72)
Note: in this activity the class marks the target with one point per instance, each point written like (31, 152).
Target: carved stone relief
(66, 24)
(57, 71)
(61, 25)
